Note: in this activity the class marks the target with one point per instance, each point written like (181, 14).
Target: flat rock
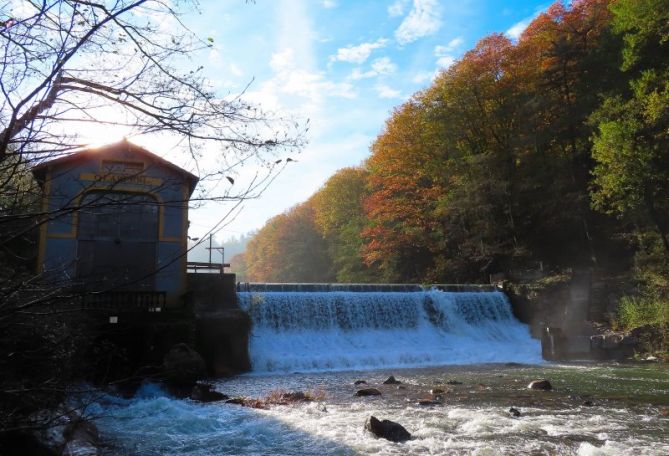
(368, 392)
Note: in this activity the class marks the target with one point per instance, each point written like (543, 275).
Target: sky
(342, 64)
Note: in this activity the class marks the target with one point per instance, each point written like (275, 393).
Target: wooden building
(117, 224)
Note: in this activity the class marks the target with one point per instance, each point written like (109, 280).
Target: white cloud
(424, 19)
(423, 76)
(329, 4)
(397, 8)
(283, 59)
(444, 53)
(446, 61)
(452, 45)
(359, 53)
(518, 28)
(291, 79)
(385, 91)
(382, 65)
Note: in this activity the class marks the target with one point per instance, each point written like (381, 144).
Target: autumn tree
(339, 217)
(289, 248)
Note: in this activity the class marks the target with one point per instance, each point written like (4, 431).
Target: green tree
(631, 146)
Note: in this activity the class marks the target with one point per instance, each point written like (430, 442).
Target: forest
(550, 153)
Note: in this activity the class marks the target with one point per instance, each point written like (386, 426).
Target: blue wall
(66, 181)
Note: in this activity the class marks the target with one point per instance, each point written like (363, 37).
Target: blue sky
(344, 64)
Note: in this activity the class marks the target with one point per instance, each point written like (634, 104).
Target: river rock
(204, 392)
(453, 382)
(183, 366)
(368, 392)
(391, 381)
(82, 439)
(387, 429)
(428, 402)
(436, 391)
(359, 382)
(514, 412)
(543, 385)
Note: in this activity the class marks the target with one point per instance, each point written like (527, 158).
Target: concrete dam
(329, 327)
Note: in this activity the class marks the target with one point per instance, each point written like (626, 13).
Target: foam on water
(344, 330)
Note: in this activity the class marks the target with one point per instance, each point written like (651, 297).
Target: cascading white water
(341, 330)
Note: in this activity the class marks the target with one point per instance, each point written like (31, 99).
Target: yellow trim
(122, 178)
(184, 238)
(69, 235)
(41, 251)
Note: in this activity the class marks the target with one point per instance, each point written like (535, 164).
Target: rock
(82, 439)
(204, 392)
(401, 387)
(387, 429)
(453, 382)
(391, 381)
(236, 401)
(293, 396)
(436, 391)
(514, 412)
(183, 366)
(588, 403)
(543, 385)
(359, 382)
(368, 392)
(428, 402)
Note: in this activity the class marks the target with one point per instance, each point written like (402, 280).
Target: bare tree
(67, 64)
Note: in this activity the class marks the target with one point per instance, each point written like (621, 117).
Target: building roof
(39, 171)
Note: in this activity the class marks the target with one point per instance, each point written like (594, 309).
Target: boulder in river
(183, 366)
(436, 391)
(391, 381)
(543, 385)
(453, 382)
(387, 429)
(514, 412)
(368, 392)
(204, 392)
(359, 382)
(429, 402)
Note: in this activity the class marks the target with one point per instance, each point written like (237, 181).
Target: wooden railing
(207, 268)
(125, 300)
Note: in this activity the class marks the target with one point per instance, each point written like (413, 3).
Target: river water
(467, 344)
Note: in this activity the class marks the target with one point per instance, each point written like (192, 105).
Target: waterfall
(342, 330)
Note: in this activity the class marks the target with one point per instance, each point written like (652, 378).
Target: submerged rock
(453, 382)
(359, 382)
(391, 381)
(368, 392)
(204, 392)
(436, 391)
(428, 402)
(387, 429)
(588, 403)
(543, 385)
(514, 412)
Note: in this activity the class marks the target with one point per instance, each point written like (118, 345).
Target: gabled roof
(39, 171)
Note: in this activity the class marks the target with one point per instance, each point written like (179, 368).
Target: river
(467, 344)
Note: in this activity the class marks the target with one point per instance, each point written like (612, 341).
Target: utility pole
(218, 249)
